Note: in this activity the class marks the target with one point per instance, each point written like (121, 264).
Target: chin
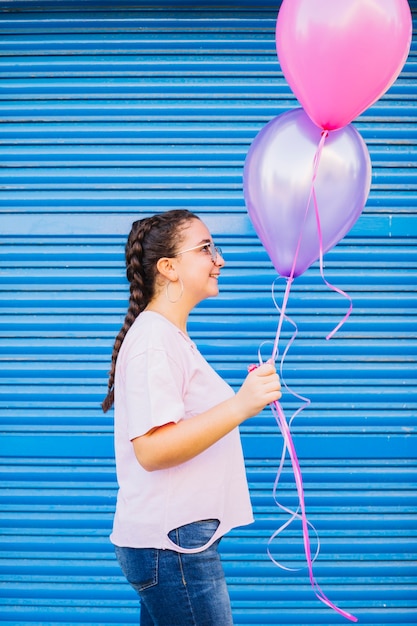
(212, 293)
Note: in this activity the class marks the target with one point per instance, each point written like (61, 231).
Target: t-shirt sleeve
(154, 392)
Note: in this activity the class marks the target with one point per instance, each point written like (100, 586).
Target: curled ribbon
(284, 426)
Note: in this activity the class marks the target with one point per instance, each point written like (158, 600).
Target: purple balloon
(277, 183)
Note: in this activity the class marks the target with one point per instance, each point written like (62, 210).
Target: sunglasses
(208, 248)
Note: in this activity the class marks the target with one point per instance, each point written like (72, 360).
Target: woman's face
(198, 263)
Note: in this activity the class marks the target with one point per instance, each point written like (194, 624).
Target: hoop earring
(167, 291)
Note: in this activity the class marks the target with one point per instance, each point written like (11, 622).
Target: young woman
(180, 468)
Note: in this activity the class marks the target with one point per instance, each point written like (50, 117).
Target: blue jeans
(179, 589)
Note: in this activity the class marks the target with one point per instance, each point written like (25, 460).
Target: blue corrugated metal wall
(109, 113)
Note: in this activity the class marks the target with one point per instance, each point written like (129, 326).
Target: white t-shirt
(161, 377)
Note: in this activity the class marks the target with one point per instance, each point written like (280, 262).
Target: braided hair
(149, 240)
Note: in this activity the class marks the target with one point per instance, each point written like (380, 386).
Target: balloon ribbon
(277, 409)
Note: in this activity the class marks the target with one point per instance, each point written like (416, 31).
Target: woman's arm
(175, 443)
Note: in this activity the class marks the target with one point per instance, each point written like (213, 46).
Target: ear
(167, 268)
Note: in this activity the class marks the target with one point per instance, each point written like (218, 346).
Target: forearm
(176, 443)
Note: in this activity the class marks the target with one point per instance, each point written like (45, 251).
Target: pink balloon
(340, 56)
(277, 182)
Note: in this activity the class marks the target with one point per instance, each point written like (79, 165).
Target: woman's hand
(260, 388)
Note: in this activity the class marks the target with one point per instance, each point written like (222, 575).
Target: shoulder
(151, 331)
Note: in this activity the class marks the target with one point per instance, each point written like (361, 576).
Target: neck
(172, 312)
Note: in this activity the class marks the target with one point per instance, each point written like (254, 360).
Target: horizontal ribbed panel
(109, 113)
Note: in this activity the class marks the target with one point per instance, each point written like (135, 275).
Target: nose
(219, 260)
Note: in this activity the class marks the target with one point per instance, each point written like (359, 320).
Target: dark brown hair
(149, 240)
